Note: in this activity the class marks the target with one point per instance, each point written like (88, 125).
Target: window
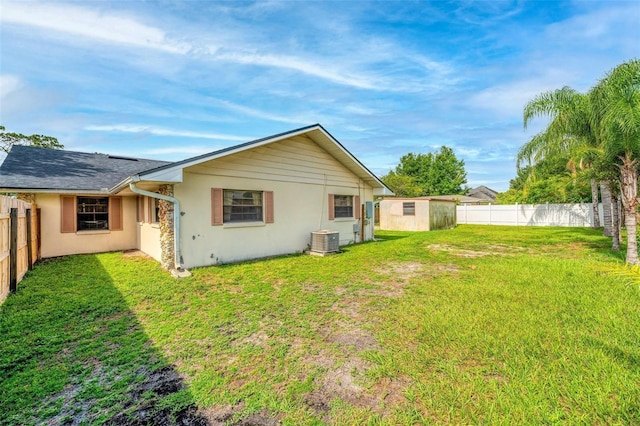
(238, 206)
(242, 206)
(343, 206)
(93, 213)
(90, 214)
(154, 210)
(409, 209)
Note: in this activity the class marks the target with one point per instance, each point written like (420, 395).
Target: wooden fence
(19, 242)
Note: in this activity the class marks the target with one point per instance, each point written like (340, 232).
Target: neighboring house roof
(462, 199)
(483, 192)
(31, 168)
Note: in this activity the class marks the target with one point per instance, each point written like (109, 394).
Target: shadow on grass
(382, 236)
(74, 353)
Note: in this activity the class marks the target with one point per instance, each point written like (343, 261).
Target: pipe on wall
(176, 220)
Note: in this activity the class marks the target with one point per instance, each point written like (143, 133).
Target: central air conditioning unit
(325, 242)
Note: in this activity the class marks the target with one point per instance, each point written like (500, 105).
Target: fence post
(29, 242)
(13, 250)
(548, 216)
(517, 216)
(38, 232)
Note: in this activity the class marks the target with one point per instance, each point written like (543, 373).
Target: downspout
(176, 218)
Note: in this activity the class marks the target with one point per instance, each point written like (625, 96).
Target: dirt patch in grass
(221, 416)
(400, 274)
(135, 253)
(161, 383)
(488, 250)
(342, 372)
(408, 270)
(142, 405)
(402, 270)
(259, 338)
(341, 379)
(346, 380)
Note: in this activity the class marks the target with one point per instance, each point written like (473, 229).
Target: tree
(571, 134)
(605, 123)
(552, 180)
(447, 174)
(617, 98)
(436, 173)
(402, 185)
(8, 139)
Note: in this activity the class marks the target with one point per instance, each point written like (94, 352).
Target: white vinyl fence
(528, 214)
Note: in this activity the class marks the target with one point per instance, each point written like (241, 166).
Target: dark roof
(31, 169)
(27, 167)
(483, 192)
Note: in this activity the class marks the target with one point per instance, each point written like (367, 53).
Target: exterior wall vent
(325, 242)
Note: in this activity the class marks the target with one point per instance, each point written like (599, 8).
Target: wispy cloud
(187, 150)
(305, 66)
(368, 65)
(488, 12)
(601, 27)
(90, 23)
(8, 83)
(256, 113)
(159, 131)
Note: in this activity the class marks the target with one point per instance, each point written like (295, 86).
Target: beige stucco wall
(300, 174)
(148, 239)
(55, 243)
(429, 215)
(392, 218)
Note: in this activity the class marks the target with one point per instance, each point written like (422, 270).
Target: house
(417, 214)
(253, 200)
(483, 193)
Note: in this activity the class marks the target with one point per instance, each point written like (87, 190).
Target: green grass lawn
(476, 325)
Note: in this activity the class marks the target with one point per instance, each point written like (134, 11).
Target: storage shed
(417, 214)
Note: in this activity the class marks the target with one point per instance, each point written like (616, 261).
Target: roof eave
(56, 190)
(172, 173)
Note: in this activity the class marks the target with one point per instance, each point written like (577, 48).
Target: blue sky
(173, 79)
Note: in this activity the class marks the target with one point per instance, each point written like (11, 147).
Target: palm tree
(571, 132)
(617, 107)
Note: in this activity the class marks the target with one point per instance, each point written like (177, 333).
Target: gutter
(176, 218)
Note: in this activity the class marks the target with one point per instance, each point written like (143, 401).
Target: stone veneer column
(165, 217)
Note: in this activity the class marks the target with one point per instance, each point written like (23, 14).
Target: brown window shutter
(67, 213)
(217, 201)
(356, 206)
(332, 211)
(268, 207)
(115, 213)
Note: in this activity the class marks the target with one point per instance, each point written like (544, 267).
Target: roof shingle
(28, 167)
